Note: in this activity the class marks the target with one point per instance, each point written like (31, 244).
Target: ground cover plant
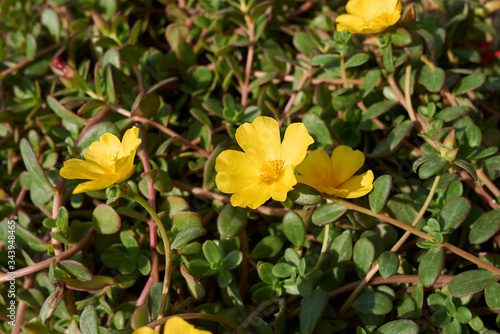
(249, 166)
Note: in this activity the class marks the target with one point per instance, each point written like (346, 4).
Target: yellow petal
(283, 184)
(357, 186)
(345, 163)
(144, 330)
(103, 182)
(367, 8)
(81, 169)
(125, 167)
(295, 144)
(351, 23)
(235, 171)
(252, 196)
(316, 168)
(260, 139)
(306, 181)
(177, 325)
(102, 151)
(130, 142)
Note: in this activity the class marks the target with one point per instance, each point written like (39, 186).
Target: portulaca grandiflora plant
(249, 167)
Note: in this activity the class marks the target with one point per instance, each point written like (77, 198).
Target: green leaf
(451, 113)
(64, 113)
(232, 260)
(105, 219)
(149, 105)
(463, 315)
(432, 167)
(212, 252)
(453, 214)
(176, 33)
(388, 264)
(36, 171)
(369, 82)
(304, 195)
(469, 83)
(379, 108)
(186, 235)
(492, 163)
(379, 195)
(406, 307)
(492, 296)
(224, 278)
(268, 247)
(50, 20)
(283, 270)
(312, 309)
(398, 327)
(196, 289)
(432, 79)
(96, 283)
(318, 130)
(415, 48)
(328, 213)
(341, 247)
(30, 46)
(265, 271)
(232, 221)
(467, 166)
(372, 302)
(387, 58)
(304, 43)
(485, 227)
(397, 135)
(357, 59)
(401, 37)
(363, 255)
(89, 322)
(294, 228)
(95, 132)
(431, 266)
(471, 282)
(76, 270)
(27, 240)
(184, 219)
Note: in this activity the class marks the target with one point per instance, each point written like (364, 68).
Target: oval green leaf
(431, 266)
(471, 282)
(105, 219)
(485, 227)
(378, 196)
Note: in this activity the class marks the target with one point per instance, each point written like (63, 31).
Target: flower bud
(450, 139)
(115, 191)
(448, 153)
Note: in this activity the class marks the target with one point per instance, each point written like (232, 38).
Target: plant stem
(343, 73)
(411, 112)
(421, 234)
(166, 245)
(323, 246)
(394, 248)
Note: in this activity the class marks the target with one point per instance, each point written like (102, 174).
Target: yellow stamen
(271, 170)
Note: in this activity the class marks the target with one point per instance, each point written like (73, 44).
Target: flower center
(271, 170)
(381, 19)
(109, 165)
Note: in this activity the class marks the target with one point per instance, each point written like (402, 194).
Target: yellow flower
(335, 176)
(266, 167)
(369, 16)
(107, 161)
(174, 325)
